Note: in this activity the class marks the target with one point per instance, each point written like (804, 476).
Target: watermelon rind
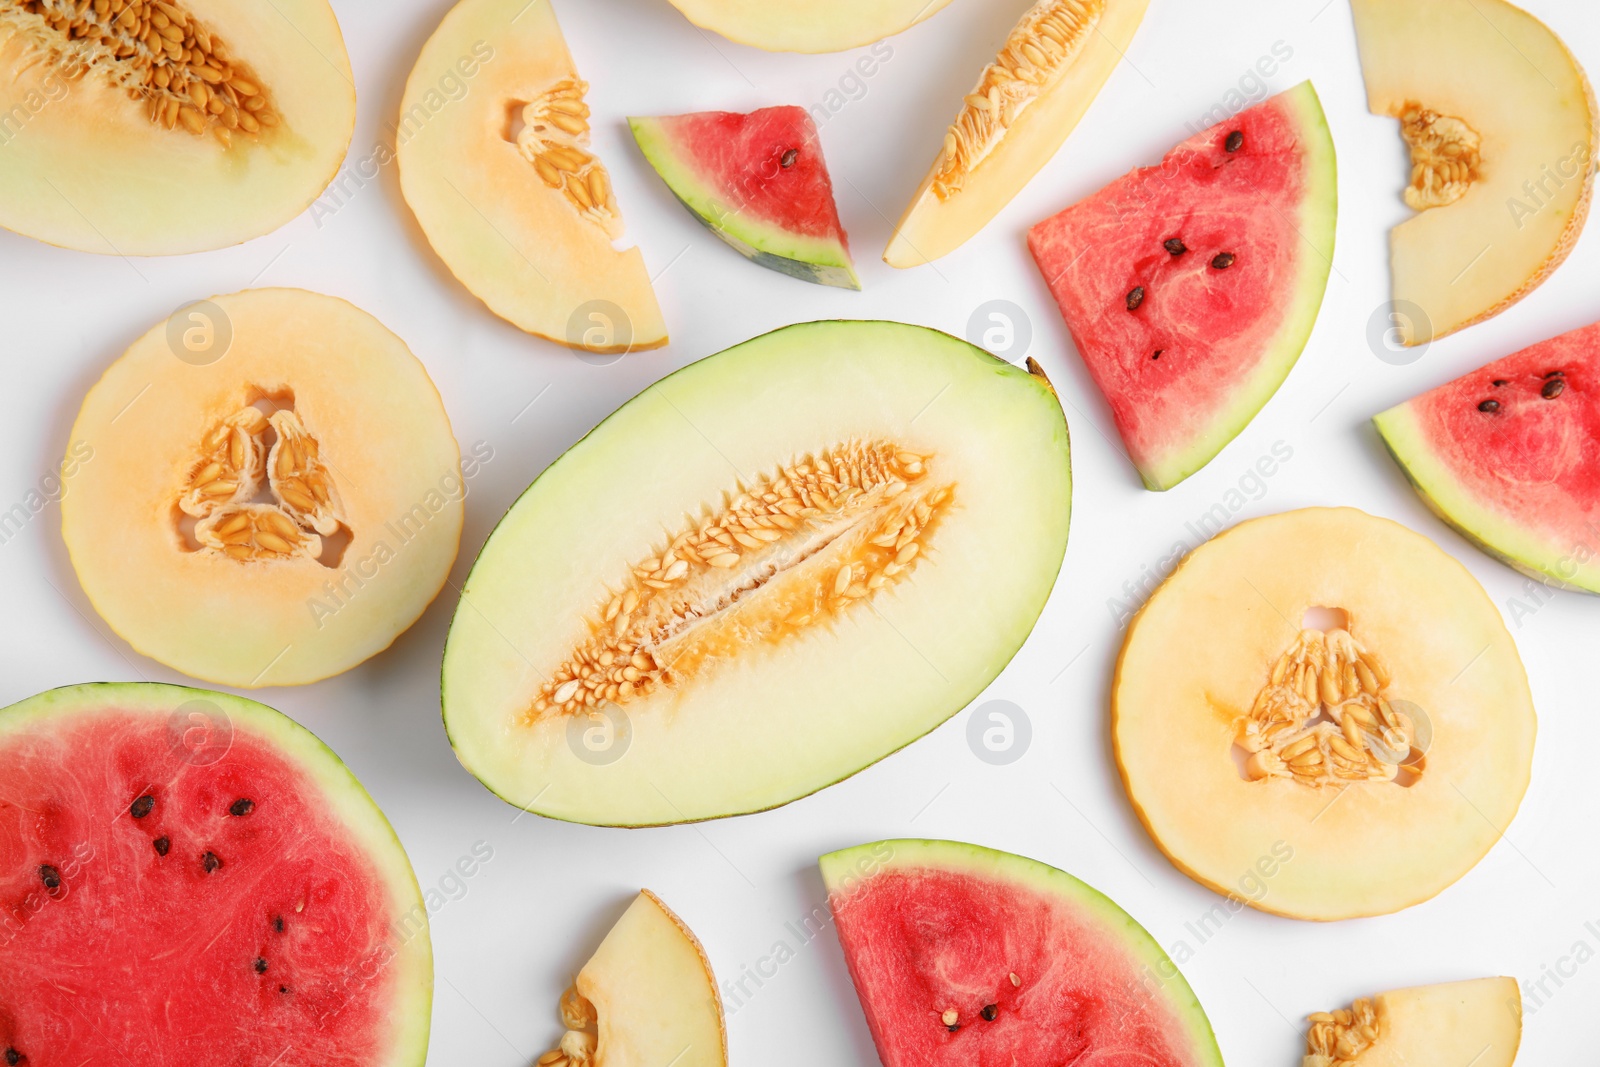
(348, 802)
(1574, 568)
(842, 869)
(810, 259)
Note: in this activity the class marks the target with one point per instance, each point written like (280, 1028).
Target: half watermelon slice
(192, 878)
(759, 182)
(1510, 456)
(1190, 287)
(967, 957)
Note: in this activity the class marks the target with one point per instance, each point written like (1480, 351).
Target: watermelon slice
(757, 181)
(967, 957)
(1510, 456)
(191, 878)
(1190, 287)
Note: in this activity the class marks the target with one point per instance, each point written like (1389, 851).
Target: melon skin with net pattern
(190, 877)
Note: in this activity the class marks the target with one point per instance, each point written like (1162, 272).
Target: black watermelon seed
(789, 157)
(1498, 382)
(277, 924)
(1235, 141)
(163, 845)
(989, 1012)
(13, 1057)
(242, 807)
(261, 965)
(210, 862)
(1489, 407)
(1157, 353)
(50, 877)
(953, 1027)
(1175, 246)
(1223, 260)
(1556, 374)
(142, 806)
(1552, 388)
(1135, 298)
(283, 989)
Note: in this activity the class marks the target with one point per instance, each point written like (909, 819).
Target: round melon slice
(1331, 690)
(190, 877)
(1477, 1022)
(1506, 454)
(263, 490)
(816, 26)
(646, 998)
(144, 128)
(1015, 119)
(505, 187)
(765, 572)
(963, 955)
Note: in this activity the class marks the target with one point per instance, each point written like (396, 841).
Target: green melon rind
(1523, 550)
(354, 807)
(807, 258)
(842, 869)
(1318, 215)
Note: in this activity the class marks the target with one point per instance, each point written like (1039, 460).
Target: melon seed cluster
(1445, 160)
(1364, 737)
(578, 1044)
(1340, 1037)
(554, 138)
(164, 58)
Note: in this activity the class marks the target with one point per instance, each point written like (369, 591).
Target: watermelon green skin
(727, 169)
(932, 926)
(1226, 338)
(139, 957)
(1521, 481)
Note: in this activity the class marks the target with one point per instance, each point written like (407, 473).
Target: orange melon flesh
(1477, 1022)
(82, 166)
(523, 246)
(382, 435)
(816, 26)
(1201, 650)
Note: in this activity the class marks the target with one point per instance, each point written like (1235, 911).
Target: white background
(532, 914)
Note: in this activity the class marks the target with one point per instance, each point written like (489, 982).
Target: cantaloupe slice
(1477, 1022)
(813, 26)
(1025, 104)
(143, 128)
(1501, 123)
(506, 189)
(265, 489)
(1371, 763)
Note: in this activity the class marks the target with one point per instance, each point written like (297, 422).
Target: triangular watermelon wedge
(1190, 287)
(1510, 456)
(759, 182)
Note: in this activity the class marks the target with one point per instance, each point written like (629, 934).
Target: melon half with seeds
(506, 188)
(156, 127)
(1331, 692)
(1476, 1022)
(815, 26)
(265, 489)
(188, 877)
(765, 572)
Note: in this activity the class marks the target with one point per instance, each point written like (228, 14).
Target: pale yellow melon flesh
(1065, 86)
(1476, 1022)
(1511, 80)
(520, 245)
(815, 26)
(1202, 649)
(82, 166)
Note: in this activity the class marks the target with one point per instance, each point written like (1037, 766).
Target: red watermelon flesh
(239, 921)
(1190, 287)
(930, 928)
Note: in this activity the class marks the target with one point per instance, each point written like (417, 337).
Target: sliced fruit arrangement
(757, 181)
(1025, 104)
(1477, 1022)
(814, 538)
(645, 998)
(1191, 287)
(272, 494)
(1510, 456)
(964, 955)
(148, 127)
(507, 189)
(1383, 754)
(199, 878)
(817, 26)
(1501, 124)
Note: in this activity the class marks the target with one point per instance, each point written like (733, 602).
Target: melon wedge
(227, 129)
(1477, 1022)
(263, 490)
(963, 955)
(1191, 287)
(1025, 104)
(646, 998)
(1369, 764)
(816, 26)
(204, 882)
(506, 189)
(1506, 455)
(804, 524)
(1501, 123)
(757, 181)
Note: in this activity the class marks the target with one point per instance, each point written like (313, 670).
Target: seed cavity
(789, 158)
(210, 861)
(1489, 407)
(163, 845)
(1344, 1036)
(142, 807)
(1135, 297)
(989, 1012)
(50, 876)
(241, 807)
(1553, 388)
(1445, 159)
(578, 1045)
(1235, 141)
(555, 139)
(1175, 245)
(1223, 260)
